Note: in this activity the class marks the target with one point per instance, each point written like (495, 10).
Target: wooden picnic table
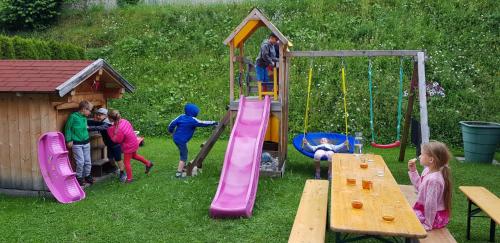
(351, 224)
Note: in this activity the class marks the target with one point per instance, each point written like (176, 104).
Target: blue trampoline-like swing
(315, 137)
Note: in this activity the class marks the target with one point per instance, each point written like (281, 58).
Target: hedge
(28, 48)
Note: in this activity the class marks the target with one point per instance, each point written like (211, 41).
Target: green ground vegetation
(162, 208)
(174, 54)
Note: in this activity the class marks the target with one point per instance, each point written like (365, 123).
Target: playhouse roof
(47, 76)
(249, 25)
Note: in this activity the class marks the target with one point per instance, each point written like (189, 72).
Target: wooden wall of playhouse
(27, 116)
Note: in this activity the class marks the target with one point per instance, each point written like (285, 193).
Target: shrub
(23, 48)
(6, 48)
(28, 14)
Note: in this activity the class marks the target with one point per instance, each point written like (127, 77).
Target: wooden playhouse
(37, 96)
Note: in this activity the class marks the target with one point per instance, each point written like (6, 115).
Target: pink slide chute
(238, 182)
(56, 170)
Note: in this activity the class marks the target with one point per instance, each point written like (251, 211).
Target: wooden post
(283, 99)
(409, 111)
(231, 72)
(240, 76)
(422, 97)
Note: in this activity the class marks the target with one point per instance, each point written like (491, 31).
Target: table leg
(492, 230)
(468, 218)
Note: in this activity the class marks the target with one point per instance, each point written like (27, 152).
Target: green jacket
(75, 129)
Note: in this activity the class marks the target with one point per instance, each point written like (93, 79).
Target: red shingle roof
(37, 75)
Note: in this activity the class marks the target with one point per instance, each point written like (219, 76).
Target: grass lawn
(162, 208)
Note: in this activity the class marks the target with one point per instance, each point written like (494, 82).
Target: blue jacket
(185, 124)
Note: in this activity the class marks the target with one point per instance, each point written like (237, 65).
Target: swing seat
(314, 137)
(397, 143)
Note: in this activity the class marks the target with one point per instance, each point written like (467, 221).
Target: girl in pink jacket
(433, 186)
(122, 132)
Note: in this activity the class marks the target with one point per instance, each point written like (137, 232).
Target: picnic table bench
(310, 220)
(486, 202)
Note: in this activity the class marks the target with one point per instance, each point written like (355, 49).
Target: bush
(6, 48)
(23, 48)
(28, 14)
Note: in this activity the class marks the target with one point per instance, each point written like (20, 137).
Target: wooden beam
(207, 146)
(231, 72)
(409, 111)
(353, 53)
(422, 97)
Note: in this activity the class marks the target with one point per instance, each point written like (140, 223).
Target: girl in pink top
(123, 133)
(433, 186)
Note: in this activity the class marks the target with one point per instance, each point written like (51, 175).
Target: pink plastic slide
(238, 182)
(56, 170)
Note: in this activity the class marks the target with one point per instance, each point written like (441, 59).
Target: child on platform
(78, 140)
(433, 186)
(324, 149)
(183, 128)
(122, 132)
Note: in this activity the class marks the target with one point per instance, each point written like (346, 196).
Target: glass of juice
(356, 201)
(367, 182)
(351, 178)
(388, 212)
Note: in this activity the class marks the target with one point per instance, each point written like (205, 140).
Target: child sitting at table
(433, 186)
(324, 149)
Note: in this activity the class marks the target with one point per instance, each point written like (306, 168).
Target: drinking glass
(367, 182)
(380, 170)
(388, 212)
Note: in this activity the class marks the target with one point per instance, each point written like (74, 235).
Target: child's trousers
(126, 160)
(81, 153)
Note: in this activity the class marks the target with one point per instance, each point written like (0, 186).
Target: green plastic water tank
(480, 140)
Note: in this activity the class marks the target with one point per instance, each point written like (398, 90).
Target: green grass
(162, 208)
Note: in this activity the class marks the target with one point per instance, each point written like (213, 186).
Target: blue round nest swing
(314, 137)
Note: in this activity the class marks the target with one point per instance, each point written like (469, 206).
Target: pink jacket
(430, 188)
(125, 136)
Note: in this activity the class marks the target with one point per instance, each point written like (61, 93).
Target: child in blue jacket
(184, 126)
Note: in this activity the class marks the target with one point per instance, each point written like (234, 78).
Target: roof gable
(249, 25)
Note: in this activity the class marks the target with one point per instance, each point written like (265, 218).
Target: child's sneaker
(317, 175)
(89, 180)
(148, 168)
(123, 176)
(80, 180)
(180, 175)
(129, 181)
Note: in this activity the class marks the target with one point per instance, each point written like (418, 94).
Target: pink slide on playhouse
(238, 182)
(56, 170)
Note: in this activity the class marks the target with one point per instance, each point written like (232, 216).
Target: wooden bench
(435, 235)
(486, 202)
(310, 221)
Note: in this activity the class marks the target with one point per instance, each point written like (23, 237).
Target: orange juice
(366, 184)
(351, 181)
(356, 204)
(388, 218)
(363, 165)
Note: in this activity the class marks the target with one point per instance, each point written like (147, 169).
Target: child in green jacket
(77, 139)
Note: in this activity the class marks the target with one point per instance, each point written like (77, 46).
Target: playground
(257, 175)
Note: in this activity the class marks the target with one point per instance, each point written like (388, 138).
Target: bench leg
(492, 230)
(468, 218)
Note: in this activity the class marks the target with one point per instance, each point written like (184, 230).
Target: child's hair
(84, 105)
(441, 155)
(114, 115)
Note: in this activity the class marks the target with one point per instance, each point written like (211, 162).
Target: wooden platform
(310, 220)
